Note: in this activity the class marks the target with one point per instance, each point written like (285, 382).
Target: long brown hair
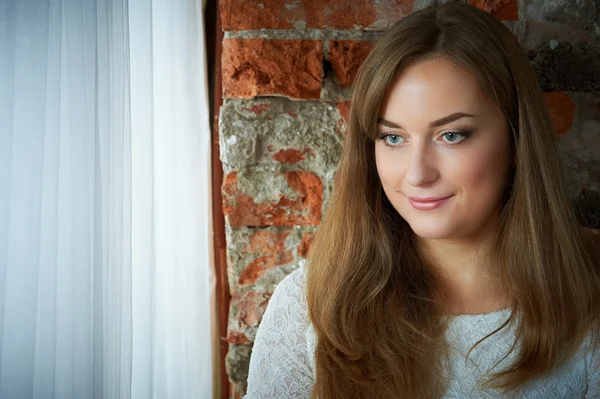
(373, 301)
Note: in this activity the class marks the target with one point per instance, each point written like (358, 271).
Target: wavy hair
(374, 302)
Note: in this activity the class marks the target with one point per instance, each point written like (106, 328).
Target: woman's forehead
(434, 90)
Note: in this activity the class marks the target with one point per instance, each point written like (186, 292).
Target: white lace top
(282, 360)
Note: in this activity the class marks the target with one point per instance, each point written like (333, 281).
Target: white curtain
(105, 222)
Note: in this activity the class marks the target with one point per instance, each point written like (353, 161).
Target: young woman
(449, 263)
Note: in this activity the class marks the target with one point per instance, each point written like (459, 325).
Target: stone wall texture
(288, 69)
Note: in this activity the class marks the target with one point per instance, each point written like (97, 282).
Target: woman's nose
(421, 166)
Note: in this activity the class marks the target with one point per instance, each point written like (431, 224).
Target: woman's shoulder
(296, 280)
(281, 364)
(290, 293)
(294, 283)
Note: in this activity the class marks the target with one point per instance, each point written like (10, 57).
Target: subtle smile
(427, 203)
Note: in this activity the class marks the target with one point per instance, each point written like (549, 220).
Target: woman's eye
(454, 137)
(393, 140)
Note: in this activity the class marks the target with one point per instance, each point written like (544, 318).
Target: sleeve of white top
(279, 363)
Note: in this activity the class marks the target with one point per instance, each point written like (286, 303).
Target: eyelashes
(386, 136)
(451, 138)
(458, 136)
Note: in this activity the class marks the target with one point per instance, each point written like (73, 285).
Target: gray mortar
(535, 35)
(587, 207)
(420, 4)
(264, 186)
(580, 148)
(580, 14)
(566, 21)
(332, 91)
(246, 135)
(237, 363)
(569, 67)
(238, 240)
(580, 153)
(304, 34)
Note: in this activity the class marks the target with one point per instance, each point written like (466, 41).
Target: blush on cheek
(484, 177)
(479, 171)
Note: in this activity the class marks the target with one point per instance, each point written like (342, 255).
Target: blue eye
(392, 140)
(454, 137)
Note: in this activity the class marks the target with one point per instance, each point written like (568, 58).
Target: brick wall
(288, 68)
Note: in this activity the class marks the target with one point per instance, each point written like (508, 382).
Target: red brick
(271, 251)
(562, 110)
(305, 244)
(252, 307)
(234, 337)
(344, 109)
(288, 156)
(340, 14)
(357, 14)
(292, 68)
(318, 14)
(505, 10)
(242, 210)
(249, 15)
(291, 155)
(346, 56)
(236, 393)
(258, 108)
(247, 311)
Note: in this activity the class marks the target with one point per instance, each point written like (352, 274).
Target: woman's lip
(426, 204)
(428, 199)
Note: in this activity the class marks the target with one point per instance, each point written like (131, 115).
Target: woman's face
(443, 150)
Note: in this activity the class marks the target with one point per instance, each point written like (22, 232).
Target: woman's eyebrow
(440, 122)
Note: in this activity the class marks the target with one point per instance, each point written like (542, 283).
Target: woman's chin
(432, 232)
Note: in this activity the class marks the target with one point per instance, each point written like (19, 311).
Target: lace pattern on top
(282, 360)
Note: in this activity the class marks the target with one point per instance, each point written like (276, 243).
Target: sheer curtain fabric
(105, 225)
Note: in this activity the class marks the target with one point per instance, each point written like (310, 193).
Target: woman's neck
(468, 271)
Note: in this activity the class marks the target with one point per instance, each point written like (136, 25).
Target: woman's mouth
(427, 203)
